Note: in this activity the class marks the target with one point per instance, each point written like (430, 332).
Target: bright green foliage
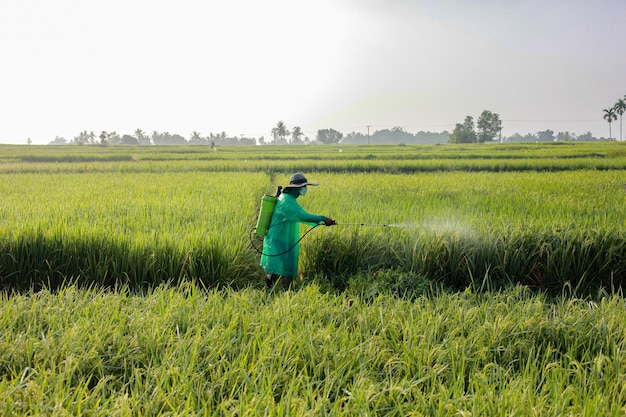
(183, 219)
(114, 228)
(464, 132)
(542, 229)
(539, 157)
(184, 351)
(423, 316)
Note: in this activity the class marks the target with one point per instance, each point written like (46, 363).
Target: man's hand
(329, 222)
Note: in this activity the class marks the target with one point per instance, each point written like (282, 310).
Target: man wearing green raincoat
(280, 247)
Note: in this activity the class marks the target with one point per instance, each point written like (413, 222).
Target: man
(280, 245)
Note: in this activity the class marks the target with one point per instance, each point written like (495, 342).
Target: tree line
(488, 128)
(155, 138)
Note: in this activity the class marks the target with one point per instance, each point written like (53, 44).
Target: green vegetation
(184, 351)
(538, 215)
(611, 114)
(115, 228)
(329, 158)
(129, 285)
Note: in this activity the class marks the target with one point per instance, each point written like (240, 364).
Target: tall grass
(544, 229)
(140, 229)
(183, 351)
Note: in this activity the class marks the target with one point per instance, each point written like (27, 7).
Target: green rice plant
(183, 219)
(120, 229)
(462, 228)
(181, 350)
(170, 234)
(391, 159)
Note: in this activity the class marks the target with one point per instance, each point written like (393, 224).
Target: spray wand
(367, 224)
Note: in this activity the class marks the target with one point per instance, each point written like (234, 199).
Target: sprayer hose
(282, 253)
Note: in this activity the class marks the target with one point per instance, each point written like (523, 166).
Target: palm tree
(280, 131)
(142, 138)
(196, 137)
(155, 137)
(296, 133)
(620, 108)
(609, 116)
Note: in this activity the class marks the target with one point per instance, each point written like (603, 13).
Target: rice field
(130, 285)
(185, 351)
(145, 226)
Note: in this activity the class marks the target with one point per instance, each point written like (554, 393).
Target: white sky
(240, 66)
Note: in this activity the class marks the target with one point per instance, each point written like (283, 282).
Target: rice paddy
(130, 285)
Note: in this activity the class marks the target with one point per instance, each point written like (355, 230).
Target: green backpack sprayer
(268, 202)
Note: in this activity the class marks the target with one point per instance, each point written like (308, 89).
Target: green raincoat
(283, 233)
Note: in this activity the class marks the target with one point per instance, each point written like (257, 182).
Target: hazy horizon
(241, 66)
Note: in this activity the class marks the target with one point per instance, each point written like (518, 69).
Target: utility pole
(368, 134)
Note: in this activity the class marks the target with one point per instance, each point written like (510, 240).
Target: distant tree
(464, 133)
(220, 138)
(166, 138)
(114, 138)
(396, 135)
(175, 139)
(29, 141)
(247, 141)
(489, 125)
(129, 140)
(620, 108)
(609, 116)
(354, 138)
(110, 138)
(529, 137)
(565, 137)
(84, 138)
(515, 137)
(432, 137)
(585, 137)
(58, 141)
(104, 138)
(142, 138)
(280, 132)
(329, 136)
(296, 134)
(546, 136)
(196, 138)
(382, 136)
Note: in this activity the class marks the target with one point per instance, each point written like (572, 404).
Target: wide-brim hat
(298, 180)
